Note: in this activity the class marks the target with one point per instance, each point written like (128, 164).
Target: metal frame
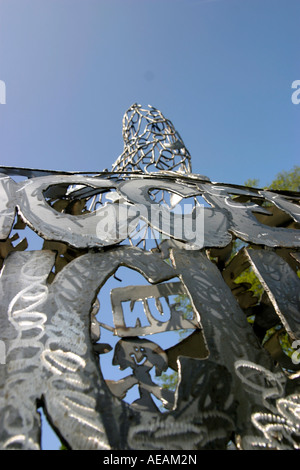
(232, 386)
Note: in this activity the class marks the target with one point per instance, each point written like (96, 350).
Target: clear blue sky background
(220, 70)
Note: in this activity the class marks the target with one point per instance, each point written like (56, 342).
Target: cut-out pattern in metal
(151, 143)
(169, 318)
(74, 350)
(141, 356)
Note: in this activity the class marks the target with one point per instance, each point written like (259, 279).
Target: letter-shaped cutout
(242, 221)
(203, 227)
(99, 228)
(63, 369)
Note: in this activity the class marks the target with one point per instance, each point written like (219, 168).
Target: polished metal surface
(151, 143)
(202, 349)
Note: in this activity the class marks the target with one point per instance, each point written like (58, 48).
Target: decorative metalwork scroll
(151, 143)
(200, 351)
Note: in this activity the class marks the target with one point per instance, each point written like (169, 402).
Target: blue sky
(220, 70)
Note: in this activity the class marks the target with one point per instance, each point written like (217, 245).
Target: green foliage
(184, 305)
(286, 344)
(252, 183)
(250, 277)
(169, 381)
(289, 181)
(284, 180)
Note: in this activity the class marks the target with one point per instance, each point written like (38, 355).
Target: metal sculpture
(141, 356)
(151, 143)
(236, 384)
